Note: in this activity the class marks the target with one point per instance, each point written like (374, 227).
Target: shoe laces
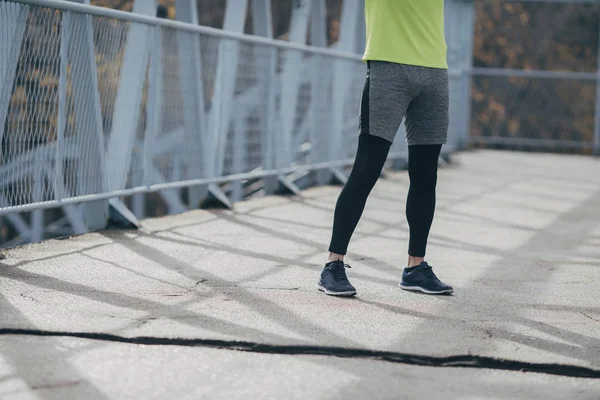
(428, 272)
(339, 273)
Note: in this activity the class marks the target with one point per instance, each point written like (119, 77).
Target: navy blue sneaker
(334, 281)
(421, 278)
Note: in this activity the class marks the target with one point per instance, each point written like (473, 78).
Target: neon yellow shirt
(406, 32)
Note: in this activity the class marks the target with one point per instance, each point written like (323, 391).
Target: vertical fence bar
(596, 145)
(128, 99)
(265, 59)
(452, 17)
(239, 145)
(62, 105)
(318, 89)
(37, 216)
(191, 77)
(290, 83)
(153, 111)
(467, 68)
(14, 30)
(91, 168)
(342, 68)
(229, 56)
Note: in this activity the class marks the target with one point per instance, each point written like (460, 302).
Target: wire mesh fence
(102, 106)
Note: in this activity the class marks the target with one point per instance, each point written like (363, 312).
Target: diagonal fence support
(225, 82)
(11, 38)
(263, 27)
(84, 77)
(349, 25)
(127, 105)
(191, 76)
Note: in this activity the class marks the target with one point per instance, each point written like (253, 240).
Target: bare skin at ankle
(335, 257)
(414, 261)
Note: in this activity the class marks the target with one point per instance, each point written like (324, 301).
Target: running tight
(420, 205)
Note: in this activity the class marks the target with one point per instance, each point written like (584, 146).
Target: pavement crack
(56, 385)
(26, 295)
(456, 361)
(585, 315)
(145, 321)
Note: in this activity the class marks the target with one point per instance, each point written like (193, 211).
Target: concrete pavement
(516, 234)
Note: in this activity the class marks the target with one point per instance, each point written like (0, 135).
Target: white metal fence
(98, 104)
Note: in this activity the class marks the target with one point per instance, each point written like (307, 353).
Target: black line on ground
(457, 361)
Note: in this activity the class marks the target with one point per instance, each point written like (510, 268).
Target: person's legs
(426, 129)
(370, 158)
(420, 204)
(386, 95)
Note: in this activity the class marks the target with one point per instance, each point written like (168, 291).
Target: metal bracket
(218, 194)
(292, 187)
(339, 175)
(120, 216)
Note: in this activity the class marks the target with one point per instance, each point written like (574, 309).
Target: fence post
(37, 216)
(84, 77)
(15, 28)
(318, 95)
(349, 25)
(128, 99)
(596, 144)
(263, 26)
(73, 213)
(467, 24)
(191, 76)
(224, 87)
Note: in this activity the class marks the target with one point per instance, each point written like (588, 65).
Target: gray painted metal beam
(262, 20)
(597, 107)
(37, 216)
(12, 31)
(320, 91)
(467, 78)
(192, 90)
(349, 25)
(239, 147)
(75, 215)
(128, 99)
(265, 59)
(290, 83)
(16, 220)
(84, 78)
(225, 81)
(154, 121)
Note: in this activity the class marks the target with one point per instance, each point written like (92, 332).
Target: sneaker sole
(340, 294)
(423, 290)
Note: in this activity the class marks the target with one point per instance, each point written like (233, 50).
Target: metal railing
(99, 104)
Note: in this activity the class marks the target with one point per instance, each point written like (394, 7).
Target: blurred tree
(542, 36)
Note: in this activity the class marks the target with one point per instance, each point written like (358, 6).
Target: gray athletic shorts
(393, 91)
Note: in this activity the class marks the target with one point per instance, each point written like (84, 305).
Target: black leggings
(420, 205)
